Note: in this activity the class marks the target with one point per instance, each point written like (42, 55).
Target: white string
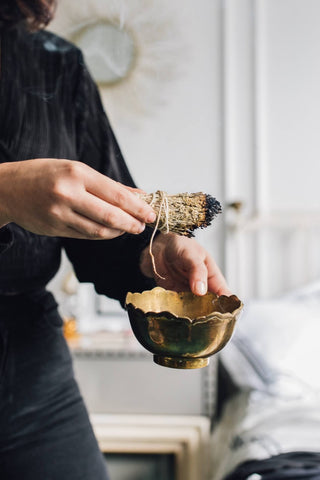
(163, 204)
(166, 204)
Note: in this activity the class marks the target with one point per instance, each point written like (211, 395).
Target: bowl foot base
(182, 363)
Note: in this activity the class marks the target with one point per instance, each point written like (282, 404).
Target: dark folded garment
(290, 466)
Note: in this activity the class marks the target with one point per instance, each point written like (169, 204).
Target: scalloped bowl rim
(202, 319)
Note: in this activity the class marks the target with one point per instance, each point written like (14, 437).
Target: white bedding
(274, 358)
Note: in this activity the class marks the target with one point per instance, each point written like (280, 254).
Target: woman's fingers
(133, 189)
(216, 281)
(198, 279)
(83, 228)
(204, 273)
(184, 263)
(196, 270)
(118, 195)
(106, 214)
(60, 197)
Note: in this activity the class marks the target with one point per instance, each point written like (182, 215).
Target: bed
(272, 363)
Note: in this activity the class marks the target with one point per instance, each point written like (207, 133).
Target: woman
(63, 184)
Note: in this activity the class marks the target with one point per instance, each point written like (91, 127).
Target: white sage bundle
(182, 213)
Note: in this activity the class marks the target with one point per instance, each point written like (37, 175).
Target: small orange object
(70, 328)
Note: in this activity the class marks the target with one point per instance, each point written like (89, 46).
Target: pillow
(275, 339)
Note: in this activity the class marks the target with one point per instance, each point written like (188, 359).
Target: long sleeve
(6, 237)
(111, 265)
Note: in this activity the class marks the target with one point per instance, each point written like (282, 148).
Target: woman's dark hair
(35, 13)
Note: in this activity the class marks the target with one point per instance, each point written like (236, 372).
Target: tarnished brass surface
(182, 329)
(175, 362)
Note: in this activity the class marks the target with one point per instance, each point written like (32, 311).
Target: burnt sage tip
(213, 208)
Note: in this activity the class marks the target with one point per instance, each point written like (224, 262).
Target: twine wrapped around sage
(181, 213)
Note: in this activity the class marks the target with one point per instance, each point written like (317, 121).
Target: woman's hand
(184, 264)
(67, 198)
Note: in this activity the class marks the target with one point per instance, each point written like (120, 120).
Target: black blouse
(50, 108)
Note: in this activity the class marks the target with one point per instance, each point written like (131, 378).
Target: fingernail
(201, 288)
(151, 217)
(140, 228)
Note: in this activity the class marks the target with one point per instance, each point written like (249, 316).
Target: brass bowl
(182, 329)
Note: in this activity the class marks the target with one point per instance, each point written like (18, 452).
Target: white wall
(177, 147)
(272, 144)
(292, 102)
